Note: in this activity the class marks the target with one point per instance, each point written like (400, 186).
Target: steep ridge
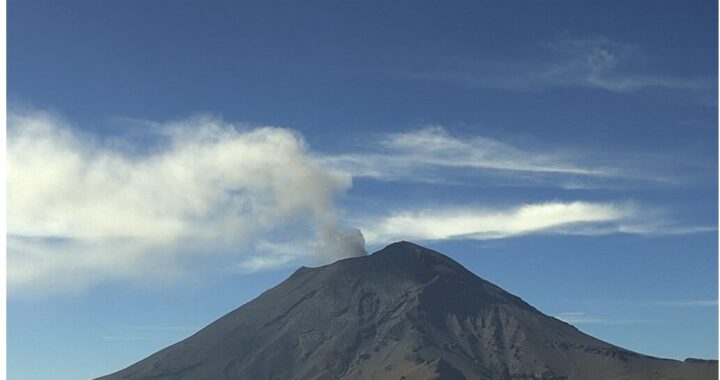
(404, 312)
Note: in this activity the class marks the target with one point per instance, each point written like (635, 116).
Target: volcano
(404, 312)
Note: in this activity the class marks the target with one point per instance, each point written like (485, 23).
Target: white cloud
(691, 303)
(164, 328)
(426, 155)
(577, 317)
(599, 62)
(442, 149)
(434, 155)
(203, 195)
(593, 62)
(580, 218)
(331, 240)
(128, 337)
(259, 263)
(82, 211)
(582, 318)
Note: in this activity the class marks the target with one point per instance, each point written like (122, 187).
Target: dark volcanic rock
(405, 312)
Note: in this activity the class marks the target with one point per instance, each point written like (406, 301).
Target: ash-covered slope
(405, 312)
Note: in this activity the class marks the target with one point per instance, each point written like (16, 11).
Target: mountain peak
(399, 260)
(405, 311)
(408, 253)
(404, 245)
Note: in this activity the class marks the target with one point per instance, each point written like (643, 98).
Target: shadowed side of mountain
(402, 312)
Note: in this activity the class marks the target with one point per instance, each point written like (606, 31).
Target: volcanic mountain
(404, 312)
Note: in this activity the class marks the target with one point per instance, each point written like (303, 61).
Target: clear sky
(170, 160)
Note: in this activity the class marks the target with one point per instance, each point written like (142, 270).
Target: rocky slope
(405, 312)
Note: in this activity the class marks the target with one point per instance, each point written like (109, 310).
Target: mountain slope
(403, 312)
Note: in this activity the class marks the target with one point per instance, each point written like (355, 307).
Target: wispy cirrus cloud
(435, 155)
(602, 63)
(430, 154)
(688, 303)
(129, 338)
(151, 333)
(164, 328)
(582, 318)
(593, 62)
(642, 308)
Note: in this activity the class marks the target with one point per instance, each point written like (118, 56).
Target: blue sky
(169, 161)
